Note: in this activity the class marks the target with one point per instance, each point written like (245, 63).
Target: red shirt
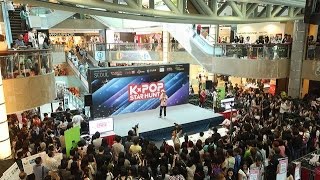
(24, 120)
(199, 27)
(202, 96)
(37, 122)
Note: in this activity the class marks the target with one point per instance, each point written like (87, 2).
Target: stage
(192, 118)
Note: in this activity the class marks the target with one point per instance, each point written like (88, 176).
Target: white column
(165, 46)
(297, 56)
(5, 151)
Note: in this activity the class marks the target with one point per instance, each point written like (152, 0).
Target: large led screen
(133, 89)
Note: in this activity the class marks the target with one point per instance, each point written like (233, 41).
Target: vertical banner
(283, 166)
(72, 137)
(297, 171)
(123, 90)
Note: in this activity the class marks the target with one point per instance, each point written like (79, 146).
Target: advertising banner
(132, 89)
(72, 137)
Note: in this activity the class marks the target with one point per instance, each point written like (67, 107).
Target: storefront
(275, 31)
(73, 38)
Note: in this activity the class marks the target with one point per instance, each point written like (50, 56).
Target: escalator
(198, 47)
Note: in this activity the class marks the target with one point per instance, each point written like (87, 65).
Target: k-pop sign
(145, 91)
(119, 90)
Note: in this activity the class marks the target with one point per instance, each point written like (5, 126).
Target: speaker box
(88, 100)
(209, 84)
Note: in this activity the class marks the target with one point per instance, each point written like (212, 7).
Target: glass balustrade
(92, 48)
(40, 11)
(313, 52)
(25, 63)
(58, 47)
(230, 50)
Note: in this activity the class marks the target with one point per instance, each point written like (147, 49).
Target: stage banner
(122, 90)
(72, 137)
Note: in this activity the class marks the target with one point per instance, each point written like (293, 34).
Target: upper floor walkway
(28, 78)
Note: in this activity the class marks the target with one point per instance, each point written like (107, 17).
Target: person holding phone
(163, 103)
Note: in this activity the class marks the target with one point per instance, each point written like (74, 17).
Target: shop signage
(100, 55)
(133, 56)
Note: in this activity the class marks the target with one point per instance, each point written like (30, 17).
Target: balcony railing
(92, 47)
(245, 51)
(38, 11)
(25, 63)
(230, 50)
(313, 52)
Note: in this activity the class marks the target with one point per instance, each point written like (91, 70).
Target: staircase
(15, 24)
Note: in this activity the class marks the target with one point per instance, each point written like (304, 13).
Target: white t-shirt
(10, 6)
(97, 142)
(77, 119)
(244, 175)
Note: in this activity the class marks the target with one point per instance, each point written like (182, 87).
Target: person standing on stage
(163, 103)
(202, 98)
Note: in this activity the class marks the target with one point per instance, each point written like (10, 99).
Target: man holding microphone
(163, 103)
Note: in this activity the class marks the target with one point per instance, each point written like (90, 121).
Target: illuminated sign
(145, 91)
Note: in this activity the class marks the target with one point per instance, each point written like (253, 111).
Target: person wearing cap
(163, 104)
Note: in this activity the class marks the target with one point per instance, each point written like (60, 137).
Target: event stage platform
(192, 118)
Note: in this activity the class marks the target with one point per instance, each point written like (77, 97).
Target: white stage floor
(188, 115)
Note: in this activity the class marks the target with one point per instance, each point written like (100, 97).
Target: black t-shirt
(297, 142)
(273, 166)
(100, 160)
(266, 105)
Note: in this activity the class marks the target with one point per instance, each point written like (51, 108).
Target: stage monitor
(103, 125)
(227, 103)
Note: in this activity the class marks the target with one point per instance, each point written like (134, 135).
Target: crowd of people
(264, 129)
(31, 39)
(81, 65)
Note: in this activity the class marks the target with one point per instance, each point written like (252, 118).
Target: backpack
(26, 38)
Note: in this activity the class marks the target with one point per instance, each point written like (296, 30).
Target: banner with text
(131, 89)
